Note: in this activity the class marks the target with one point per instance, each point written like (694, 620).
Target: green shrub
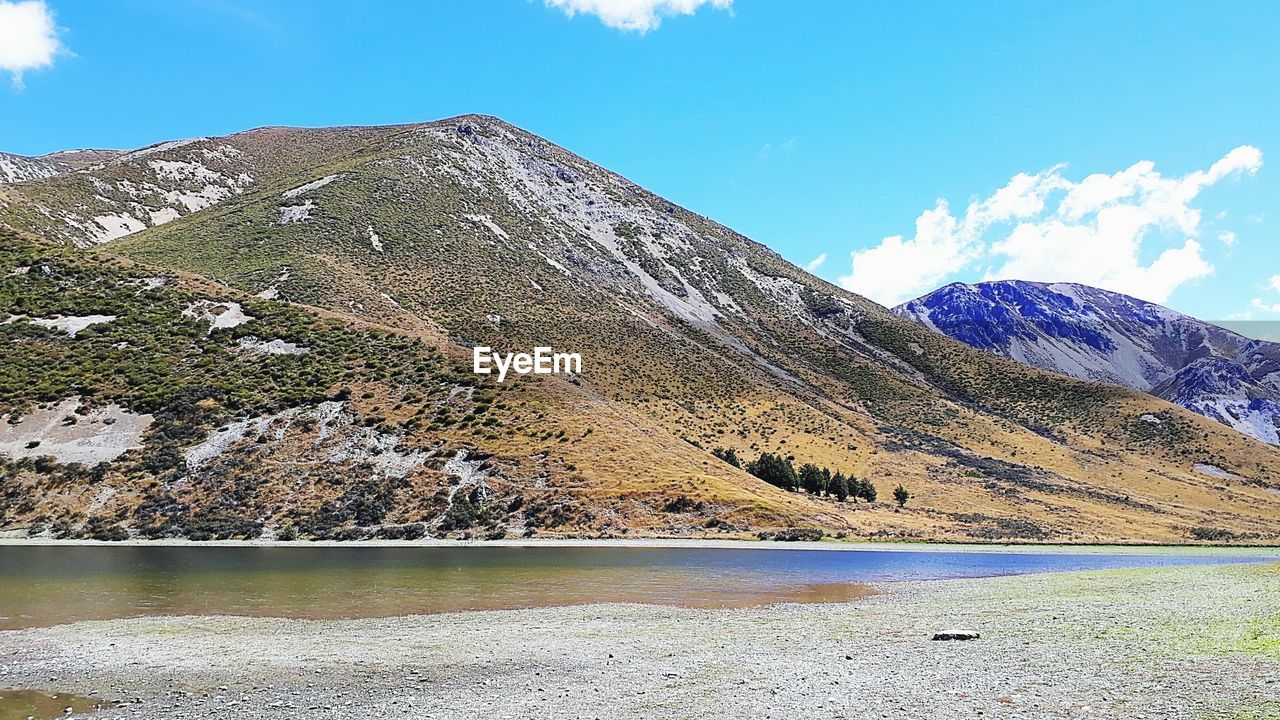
(901, 496)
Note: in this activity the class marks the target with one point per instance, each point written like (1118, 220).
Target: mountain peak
(470, 232)
(129, 192)
(1096, 334)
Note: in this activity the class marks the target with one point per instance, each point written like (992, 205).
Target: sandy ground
(1194, 642)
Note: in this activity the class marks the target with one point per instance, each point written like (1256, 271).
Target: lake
(49, 585)
(26, 704)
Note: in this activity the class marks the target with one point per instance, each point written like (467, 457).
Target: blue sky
(816, 127)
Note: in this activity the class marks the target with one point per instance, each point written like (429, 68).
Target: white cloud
(1227, 238)
(898, 269)
(1266, 307)
(635, 15)
(1046, 227)
(816, 263)
(28, 37)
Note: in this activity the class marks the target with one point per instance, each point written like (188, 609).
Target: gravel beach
(1183, 642)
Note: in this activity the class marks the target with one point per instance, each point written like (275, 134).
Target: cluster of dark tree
(728, 455)
(777, 470)
(792, 535)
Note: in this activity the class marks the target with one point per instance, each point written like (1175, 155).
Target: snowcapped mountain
(1099, 335)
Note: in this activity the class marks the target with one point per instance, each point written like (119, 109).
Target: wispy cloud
(1272, 308)
(815, 263)
(1045, 227)
(28, 37)
(1266, 306)
(767, 149)
(635, 15)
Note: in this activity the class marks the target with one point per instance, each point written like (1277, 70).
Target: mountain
(124, 193)
(1226, 391)
(1099, 335)
(19, 168)
(81, 159)
(300, 340)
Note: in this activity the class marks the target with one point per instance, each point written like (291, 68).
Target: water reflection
(45, 585)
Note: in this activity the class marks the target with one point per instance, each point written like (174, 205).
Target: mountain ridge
(18, 168)
(1100, 335)
(472, 231)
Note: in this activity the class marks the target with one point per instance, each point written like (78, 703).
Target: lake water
(48, 585)
(23, 704)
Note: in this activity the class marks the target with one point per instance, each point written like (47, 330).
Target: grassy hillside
(694, 338)
(358, 437)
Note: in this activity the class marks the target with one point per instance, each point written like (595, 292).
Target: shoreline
(1051, 645)
(1264, 551)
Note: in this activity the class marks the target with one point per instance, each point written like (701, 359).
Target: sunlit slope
(474, 231)
(348, 429)
(85, 197)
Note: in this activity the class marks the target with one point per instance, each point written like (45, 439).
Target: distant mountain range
(270, 332)
(1099, 335)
